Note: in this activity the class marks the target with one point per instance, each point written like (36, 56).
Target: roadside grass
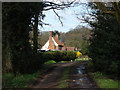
(20, 81)
(63, 61)
(78, 59)
(104, 81)
(63, 83)
(50, 61)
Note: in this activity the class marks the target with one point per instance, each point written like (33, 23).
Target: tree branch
(52, 5)
(58, 17)
(103, 8)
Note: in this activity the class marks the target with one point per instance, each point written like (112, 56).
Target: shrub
(60, 55)
(79, 54)
(33, 62)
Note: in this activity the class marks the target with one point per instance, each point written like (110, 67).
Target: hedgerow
(59, 55)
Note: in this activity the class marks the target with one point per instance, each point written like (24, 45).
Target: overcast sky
(68, 17)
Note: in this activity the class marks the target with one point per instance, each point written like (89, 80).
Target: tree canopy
(104, 42)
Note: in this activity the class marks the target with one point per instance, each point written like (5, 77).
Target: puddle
(79, 71)
(82, 80)
(79, 78)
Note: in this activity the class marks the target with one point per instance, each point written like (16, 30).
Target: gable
(45, 47)
(56, 44)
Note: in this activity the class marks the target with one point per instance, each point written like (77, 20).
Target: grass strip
(104, 82)
(63, 83)
(49, 62)
(81, 59)
(20, 81)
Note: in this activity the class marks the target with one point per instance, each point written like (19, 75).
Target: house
(54, 44)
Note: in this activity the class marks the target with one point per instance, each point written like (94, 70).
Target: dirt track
(77, 76)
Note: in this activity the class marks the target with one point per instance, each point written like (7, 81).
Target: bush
(20, 81)
(28, 64)
(104, 48)
(59, 55)
(33, 62)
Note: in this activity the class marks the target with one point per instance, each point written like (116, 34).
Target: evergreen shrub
(59, 55)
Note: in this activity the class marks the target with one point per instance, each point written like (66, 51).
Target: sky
(68, 18)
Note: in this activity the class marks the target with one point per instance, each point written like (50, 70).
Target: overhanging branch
(58, 17)
(51, 5)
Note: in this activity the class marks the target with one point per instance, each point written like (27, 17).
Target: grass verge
(49, 62)
(104, 81)
(78, 59)
(101, 79)
(20, 81)
(63, 83)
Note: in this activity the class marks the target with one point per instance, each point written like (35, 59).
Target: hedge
(33, 62)
(59, 55)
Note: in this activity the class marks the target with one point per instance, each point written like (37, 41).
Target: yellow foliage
(78, 54)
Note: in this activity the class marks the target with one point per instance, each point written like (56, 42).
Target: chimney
(50, 35)
(56, 36)
(51, 44)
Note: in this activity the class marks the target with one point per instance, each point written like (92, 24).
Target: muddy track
(52, 79)
(78, 78)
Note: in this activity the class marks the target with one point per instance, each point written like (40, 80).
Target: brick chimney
(51, 44)
(50, 35)
(56, 36)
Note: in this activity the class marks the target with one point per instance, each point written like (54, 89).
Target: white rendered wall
(45, 47)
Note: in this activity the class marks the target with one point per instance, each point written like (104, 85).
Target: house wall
(56, 48)
(68, 48)
(64, 49)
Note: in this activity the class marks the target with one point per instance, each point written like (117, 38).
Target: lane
(52, 79)
(79, 77)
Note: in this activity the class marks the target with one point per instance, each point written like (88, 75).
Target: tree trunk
(6, 57)
(35, 33)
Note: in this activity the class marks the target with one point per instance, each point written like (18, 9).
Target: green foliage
(63, 83)
(77, 37)
(59, 55)
(17, 23)
(29, 64)
(35, 61)
(73, 43)
(20, 81)
(84, 48)
(104, 81)
(104, 44)
(78, 59)
(49, 62)
(90, 67)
